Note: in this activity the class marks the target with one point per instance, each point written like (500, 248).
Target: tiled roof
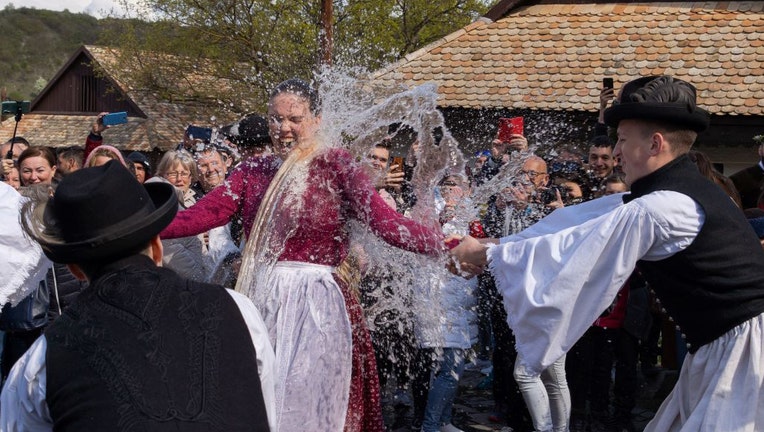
(162, 128)
(553, 56)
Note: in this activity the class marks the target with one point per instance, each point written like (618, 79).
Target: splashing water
(356, 115)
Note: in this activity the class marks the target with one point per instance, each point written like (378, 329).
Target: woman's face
(35, 170)
(12, 179)
(290, 123)
(179, 176)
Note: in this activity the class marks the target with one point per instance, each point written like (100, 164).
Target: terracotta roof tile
(553, 56)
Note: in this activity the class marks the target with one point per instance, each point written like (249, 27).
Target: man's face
(140, 172)
(633, 150)
(378, 157)
(66, 165)
(212, 169)
(18, 148)
(601, 161)
(534, 175)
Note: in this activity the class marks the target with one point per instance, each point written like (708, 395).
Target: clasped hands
(468, 257)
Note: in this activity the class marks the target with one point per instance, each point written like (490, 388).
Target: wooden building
(92, 82)
(545, 60)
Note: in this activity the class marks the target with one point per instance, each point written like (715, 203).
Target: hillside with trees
(257, 43)
(36, 43)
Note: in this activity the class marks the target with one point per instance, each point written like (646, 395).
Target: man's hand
(393, 178)
(470, 256)
(606, 95)
(516, 143)
(6, 166)
(558, 202)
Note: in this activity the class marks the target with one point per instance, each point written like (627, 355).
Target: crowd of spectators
(531, 180)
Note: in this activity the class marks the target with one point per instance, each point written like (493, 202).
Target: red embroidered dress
(317, 329)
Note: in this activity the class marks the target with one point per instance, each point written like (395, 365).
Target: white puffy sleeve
(22, 404)
(266, 358)
(559, 276)
(23, 264)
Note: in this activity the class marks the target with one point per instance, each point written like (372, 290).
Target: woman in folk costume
(326, 377)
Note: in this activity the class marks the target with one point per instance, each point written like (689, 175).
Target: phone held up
(607, 83)
(398, 163)
(115, 118)
(14, 107)
(510, 126)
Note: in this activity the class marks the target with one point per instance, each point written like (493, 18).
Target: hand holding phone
(607, 83)
(508, 127)
(112, 119)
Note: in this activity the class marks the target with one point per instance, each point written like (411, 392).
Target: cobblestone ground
(474, 404)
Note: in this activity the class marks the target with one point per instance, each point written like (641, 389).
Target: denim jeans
(547, 396)
(445, 382)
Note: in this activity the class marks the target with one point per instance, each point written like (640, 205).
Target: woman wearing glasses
(179, 168)
(185, 254)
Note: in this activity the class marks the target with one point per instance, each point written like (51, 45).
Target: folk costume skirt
(720, 387)
(326, 377)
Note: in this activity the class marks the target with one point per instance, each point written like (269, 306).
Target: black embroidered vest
(718, 281)
(144, 350)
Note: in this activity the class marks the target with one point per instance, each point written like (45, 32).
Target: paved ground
(473, 404)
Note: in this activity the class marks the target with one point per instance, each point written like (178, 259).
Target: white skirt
(304, 311)
(720, 387)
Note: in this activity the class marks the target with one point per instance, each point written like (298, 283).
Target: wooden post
(327, 32)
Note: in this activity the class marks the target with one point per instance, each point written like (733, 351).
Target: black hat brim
(125, 238)
(678, 114)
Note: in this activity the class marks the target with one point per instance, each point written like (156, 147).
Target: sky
(97, 8)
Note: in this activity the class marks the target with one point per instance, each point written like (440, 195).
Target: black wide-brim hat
(680, 114)
(103, 213)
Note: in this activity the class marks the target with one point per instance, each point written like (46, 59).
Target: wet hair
(299, 88)
(38, 151)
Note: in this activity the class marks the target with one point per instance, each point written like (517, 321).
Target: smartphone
(509, 127)
(12, 107)
(200, 133)
(116, 118)
(607, 82)
(399, 162)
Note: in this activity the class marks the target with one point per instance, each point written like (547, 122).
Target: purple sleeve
(368, 207)
(213, 210)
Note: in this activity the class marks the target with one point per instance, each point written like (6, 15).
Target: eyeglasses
(532, 174)
(176, 174)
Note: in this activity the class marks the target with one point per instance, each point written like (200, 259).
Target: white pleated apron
(304, 311)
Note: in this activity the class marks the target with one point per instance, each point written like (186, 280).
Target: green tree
(250, 45)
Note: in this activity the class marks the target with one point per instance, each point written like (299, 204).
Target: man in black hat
(141, 348)
(689, 240)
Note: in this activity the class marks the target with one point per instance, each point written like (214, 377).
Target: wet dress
(326, 372)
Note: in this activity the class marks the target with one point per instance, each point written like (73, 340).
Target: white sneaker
(450, 428)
